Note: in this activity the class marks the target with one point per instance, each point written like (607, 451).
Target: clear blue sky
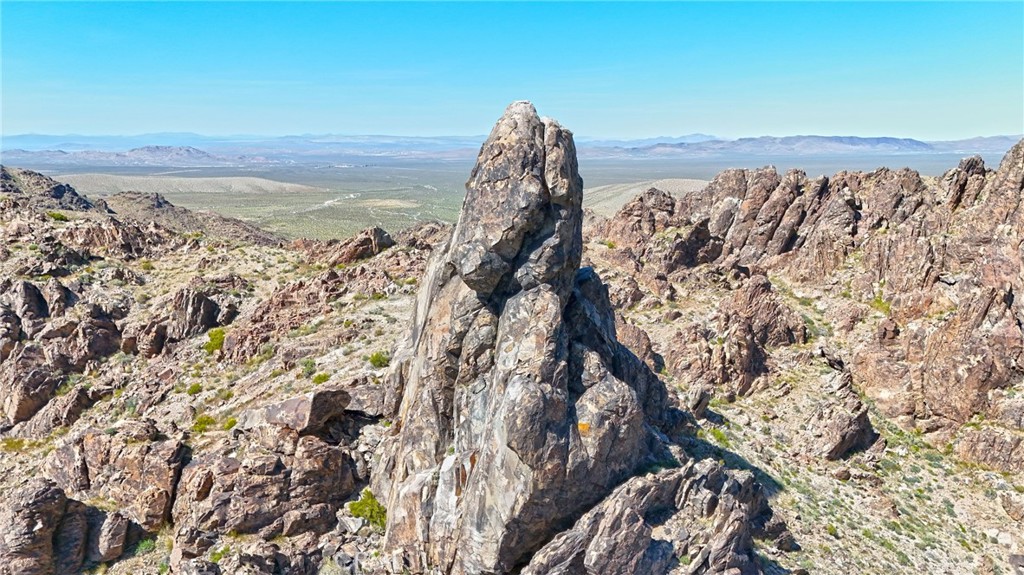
(921, 70)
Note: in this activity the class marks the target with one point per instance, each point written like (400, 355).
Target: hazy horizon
(482, 136)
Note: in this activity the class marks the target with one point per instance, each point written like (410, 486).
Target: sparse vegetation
(12, 444)
(145, 546)
(320, 378)
(368, 508)
(215, 340)
(194, 389)
(878, 303)
(57, 216)
(203, 422)
(379, 359)
(720, 437)
(217, 554)
(308, 367)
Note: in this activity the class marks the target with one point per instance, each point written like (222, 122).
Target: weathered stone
(840, 423)
(132, 467)
(626, 533)
(193, 313)
(10, 331)
(519, 408)
(1013, 504)
(107, 534)
(27, 382)
(28, 520)
(305, 414)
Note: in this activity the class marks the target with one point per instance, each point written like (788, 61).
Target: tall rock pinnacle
(515, 407)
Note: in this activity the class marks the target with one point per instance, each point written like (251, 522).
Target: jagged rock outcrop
(487, 371)
(361, 246)
(41, 191)
(44, 532)
(698, 512)
(940, 258)
(130, 465)
(839, 423)
(731, 352)
(27, 382)
(516, 408)
(28, 521)
(299, 467)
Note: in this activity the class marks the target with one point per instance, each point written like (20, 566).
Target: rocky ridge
(767, 376)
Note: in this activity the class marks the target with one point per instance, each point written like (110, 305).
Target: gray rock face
(27, 524)
(516, 408)
(649, 522)
(194, 313)
(840, 422)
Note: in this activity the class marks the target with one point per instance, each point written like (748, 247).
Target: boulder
(839, 423)
(28, 520)
(699, 511)
(193, 313)
(27, 382)
(131, 466)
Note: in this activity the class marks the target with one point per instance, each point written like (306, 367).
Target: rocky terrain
(773, 374)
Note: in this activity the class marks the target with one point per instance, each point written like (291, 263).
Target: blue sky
(921, 70)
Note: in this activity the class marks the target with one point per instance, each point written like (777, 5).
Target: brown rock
(27, 382)
(132, 467)
(28, 520)
(193, 313)
(712, 514)
(840, 423)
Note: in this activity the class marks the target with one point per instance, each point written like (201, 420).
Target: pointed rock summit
(517, 409)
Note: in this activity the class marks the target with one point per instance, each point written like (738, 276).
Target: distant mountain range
(170, 156)
(193, 150)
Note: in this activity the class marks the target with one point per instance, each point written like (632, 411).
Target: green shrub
(379, 359)
(267, 352)
(369, 509)
(203, 423)
(880, 304)
(12, 444)
(308, 367)
(146, 265)
(194, 389)
(217, 554)
(145, 546)
(831, 529)
(216, 340)
(320, 378)
(720, 437)
(229, 423)
(57, 216)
